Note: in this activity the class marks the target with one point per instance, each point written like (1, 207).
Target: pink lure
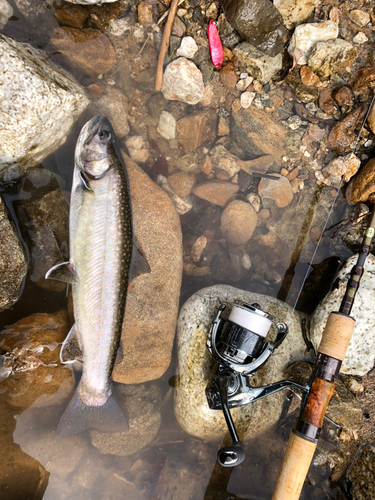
(216, 47)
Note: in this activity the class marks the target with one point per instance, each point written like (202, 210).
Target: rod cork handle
(336, 335)
(296, 463)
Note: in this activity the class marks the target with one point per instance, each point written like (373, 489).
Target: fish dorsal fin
(61, 272)
(139, 264)
(71, 349)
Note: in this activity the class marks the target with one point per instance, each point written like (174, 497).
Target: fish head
(95, 147)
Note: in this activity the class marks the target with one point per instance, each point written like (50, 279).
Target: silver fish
(103, 261)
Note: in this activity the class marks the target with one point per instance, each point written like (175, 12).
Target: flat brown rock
(197, 128)
(216, 192)
(152, 300)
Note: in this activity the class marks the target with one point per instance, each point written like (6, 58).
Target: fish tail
(79, 417)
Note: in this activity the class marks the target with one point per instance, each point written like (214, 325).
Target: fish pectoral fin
(139, 264)
(71, 350)
(61, 272)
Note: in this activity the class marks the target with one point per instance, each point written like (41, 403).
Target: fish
(216, 47)
(103, 261)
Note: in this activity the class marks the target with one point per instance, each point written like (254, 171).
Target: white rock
(360, 38)
(258, 64)
(138, 148)
(183, 81)
(183, 205)
(306, 36)
(195, 364)
(360, 355)
(294, 122)
(246, 99)
(345, 166)
(359, 17)
(6, 11)
(198, 247)
(246, 262)
(39, 104)
(294, 11)
(243, 83)
(167, 126)
(188, 47)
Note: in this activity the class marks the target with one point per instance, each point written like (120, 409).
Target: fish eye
(104, 135)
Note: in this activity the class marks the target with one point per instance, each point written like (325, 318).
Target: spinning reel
(237, 346)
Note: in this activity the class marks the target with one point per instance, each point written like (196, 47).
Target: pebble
(89, 50)
(306, 36)
(198, 246)
(346, 166)
(308, 77)
(206, 165)
(71, 15)
(223, 127)
(216, 191)
(359, 358)
(197, 128)
(362, 83)
(362, 185)
(188, 163)
(254, 200)
(179, 27)
(360, 38)
(359, 17)
(138, 148)
(238, 222)
(167, 126)
(183, 81)
(6, 12)
(224, 160)
(332, 56)
(243, 83)
(257, 64)
(294, 11)
(182, 205)
(145, 16)
(247, 98)
(246, 262)
(188, 47)
(228, 76)
(294, 122)
(182, 183)
(278, 190)
(325, 101)
(343, 96)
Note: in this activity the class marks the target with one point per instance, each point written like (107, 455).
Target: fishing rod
(331, 352)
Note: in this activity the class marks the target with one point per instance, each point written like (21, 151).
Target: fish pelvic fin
(79, 417)
(139, 264)
(71, 350)
(61, 272)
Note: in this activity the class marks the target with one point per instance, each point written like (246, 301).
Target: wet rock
(360, 38)
(39, 104)
(371, 120)
(228, 76)
(223, 127)
(363, 83)
(195, 365)
(167, 126)
(303, 92)
(246, 99)
(182, 205)
(280, 191)
(325, 102)
(206, 165)
(138, 148)
(308, 77)
(329, 57)
(359, 358)
(294, 11)
(313, 134)
(45, 222)
(152, 304)
(346, 166)
(87, 49)
(6, 12)
(359, 17)
(362, 474)
(188, 163)
(343, 96)
(196, 129)
(179, 27)
(114, 105)
(256, 133)
(73, 16)
(188, 47)
(31, 348)
(342, 134)
(198, 246)
(306, 36)
(363, 184)
(259, 65)
(216, 192)
(13, 264)
(224, 160)
(344, 409)
(145, 16)
(259, 22)
(182, 183)
(182, 81)
(141, 405)
(349, 241)
(238, 222)
(294, 122)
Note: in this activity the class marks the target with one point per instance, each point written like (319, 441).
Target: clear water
(174, 465)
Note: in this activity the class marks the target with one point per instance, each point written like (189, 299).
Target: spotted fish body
(101, 256)
(216, 47)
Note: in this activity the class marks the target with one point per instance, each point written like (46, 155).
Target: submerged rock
(360, 355)
(183, 81)
(216, 191)
(259, 65)
(6, 12)
(196, 129)
(329, 57)
(152, 299)
(238, 222)
(278, 190)
(346, 166)
(294, 11)
(141, 404)
(195, 365)
(182, 204)
(13, 264)
(362, 185)
(259, 22)
(39, 104)
(362, 474)
(114, 105)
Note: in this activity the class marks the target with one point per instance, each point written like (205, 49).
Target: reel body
(239, 349)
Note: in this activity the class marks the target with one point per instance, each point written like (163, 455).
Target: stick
(165, 43)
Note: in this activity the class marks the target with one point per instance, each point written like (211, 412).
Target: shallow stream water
(174, 465)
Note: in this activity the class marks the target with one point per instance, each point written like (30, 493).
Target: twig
(165, 43)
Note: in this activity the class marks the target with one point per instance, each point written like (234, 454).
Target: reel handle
(231, 455)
